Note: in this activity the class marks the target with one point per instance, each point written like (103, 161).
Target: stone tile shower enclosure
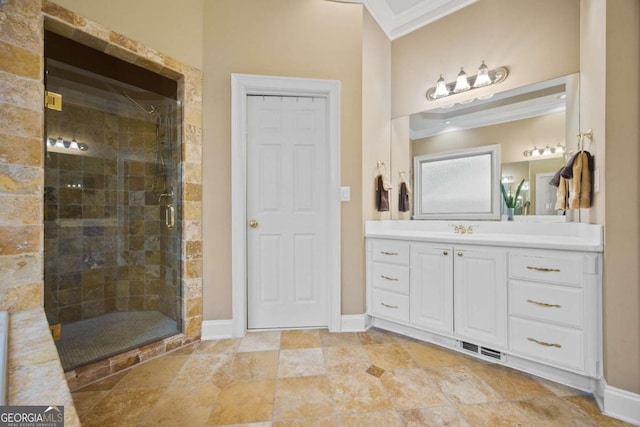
(111, 204)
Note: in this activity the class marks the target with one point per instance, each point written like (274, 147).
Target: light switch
(345, 194)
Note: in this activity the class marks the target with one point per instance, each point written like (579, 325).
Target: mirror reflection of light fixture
(464, 83)
(535, 151)
(72, 145)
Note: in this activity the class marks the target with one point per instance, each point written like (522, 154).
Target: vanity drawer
(390, 305)
(390, 277)
(561, 268)
(550, 303)
(390, 251)
(554, 344)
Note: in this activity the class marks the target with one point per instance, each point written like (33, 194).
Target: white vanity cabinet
(527, 296)
(480, 296)
(431, 288)
(552, 302)
(388, 278)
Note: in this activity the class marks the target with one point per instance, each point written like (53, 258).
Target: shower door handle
(170, 216)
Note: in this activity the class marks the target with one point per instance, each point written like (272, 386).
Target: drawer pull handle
(388, 305)
(543, 304)
(544, 270)
(445, 253)
(546, 344)
(393, 279)
(459, 253)
(388, 253)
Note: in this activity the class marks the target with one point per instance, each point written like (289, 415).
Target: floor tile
(303, 397)
(588, 405)
(495, 414)
(438, 416)
(185, 350)
(511, 385)
(370, 419)
(412, 388)
(122, 408)
(105, 384)
(308, 422)
(255, 365)
(301, 362)
(300, 339)
(328, 339)
(427, 355)
(218, 346)
(84, 401)
(376, 336)
(260, 341)
(183, 406)
(553, 412)
(154, 373)
(558, 389)
(460, 385)
(316, 378)
(202, 368)
(244, 402)
(390, 356)
(345, 360)
(358, 393)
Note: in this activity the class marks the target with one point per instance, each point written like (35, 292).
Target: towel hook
(582, 135)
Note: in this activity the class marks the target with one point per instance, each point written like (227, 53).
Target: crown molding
(422, 13)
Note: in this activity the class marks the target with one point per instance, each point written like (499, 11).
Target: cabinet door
(431, 288)
(480, 301)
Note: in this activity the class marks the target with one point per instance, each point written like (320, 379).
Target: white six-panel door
(286, 211)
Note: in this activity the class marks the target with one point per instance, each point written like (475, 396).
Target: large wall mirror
(534, 127)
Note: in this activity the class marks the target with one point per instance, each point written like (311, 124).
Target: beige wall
(168, 26)
(622, 204)
(297, 38)
(376, 114)
(536, 40)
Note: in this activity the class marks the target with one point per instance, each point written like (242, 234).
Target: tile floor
(316, 378)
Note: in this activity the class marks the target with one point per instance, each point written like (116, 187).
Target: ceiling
(400, 17)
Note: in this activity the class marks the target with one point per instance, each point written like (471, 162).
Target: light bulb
(461, 82)
(441, 88)
(482, 79)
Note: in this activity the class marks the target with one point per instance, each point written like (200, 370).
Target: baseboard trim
(217, 329)
(221, 329)
(621, 404)
(354, 322)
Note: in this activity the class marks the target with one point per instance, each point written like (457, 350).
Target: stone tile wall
(107, 247)
(68, 24)
(21, 178)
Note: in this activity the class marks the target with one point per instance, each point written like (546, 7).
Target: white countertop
(558, 236)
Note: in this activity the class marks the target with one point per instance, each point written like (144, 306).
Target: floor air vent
(470, 347)
(482, 351)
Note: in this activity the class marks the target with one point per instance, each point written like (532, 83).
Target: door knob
(253, 223)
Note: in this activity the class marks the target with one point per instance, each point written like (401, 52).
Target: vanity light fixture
(535, 152)
(464, 83)
(68, 145)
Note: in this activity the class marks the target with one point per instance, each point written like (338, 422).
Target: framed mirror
(461, 184)
(524, 119)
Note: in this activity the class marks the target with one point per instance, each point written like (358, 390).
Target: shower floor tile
(95, 339)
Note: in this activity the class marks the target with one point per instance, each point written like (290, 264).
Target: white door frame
(243, 85)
